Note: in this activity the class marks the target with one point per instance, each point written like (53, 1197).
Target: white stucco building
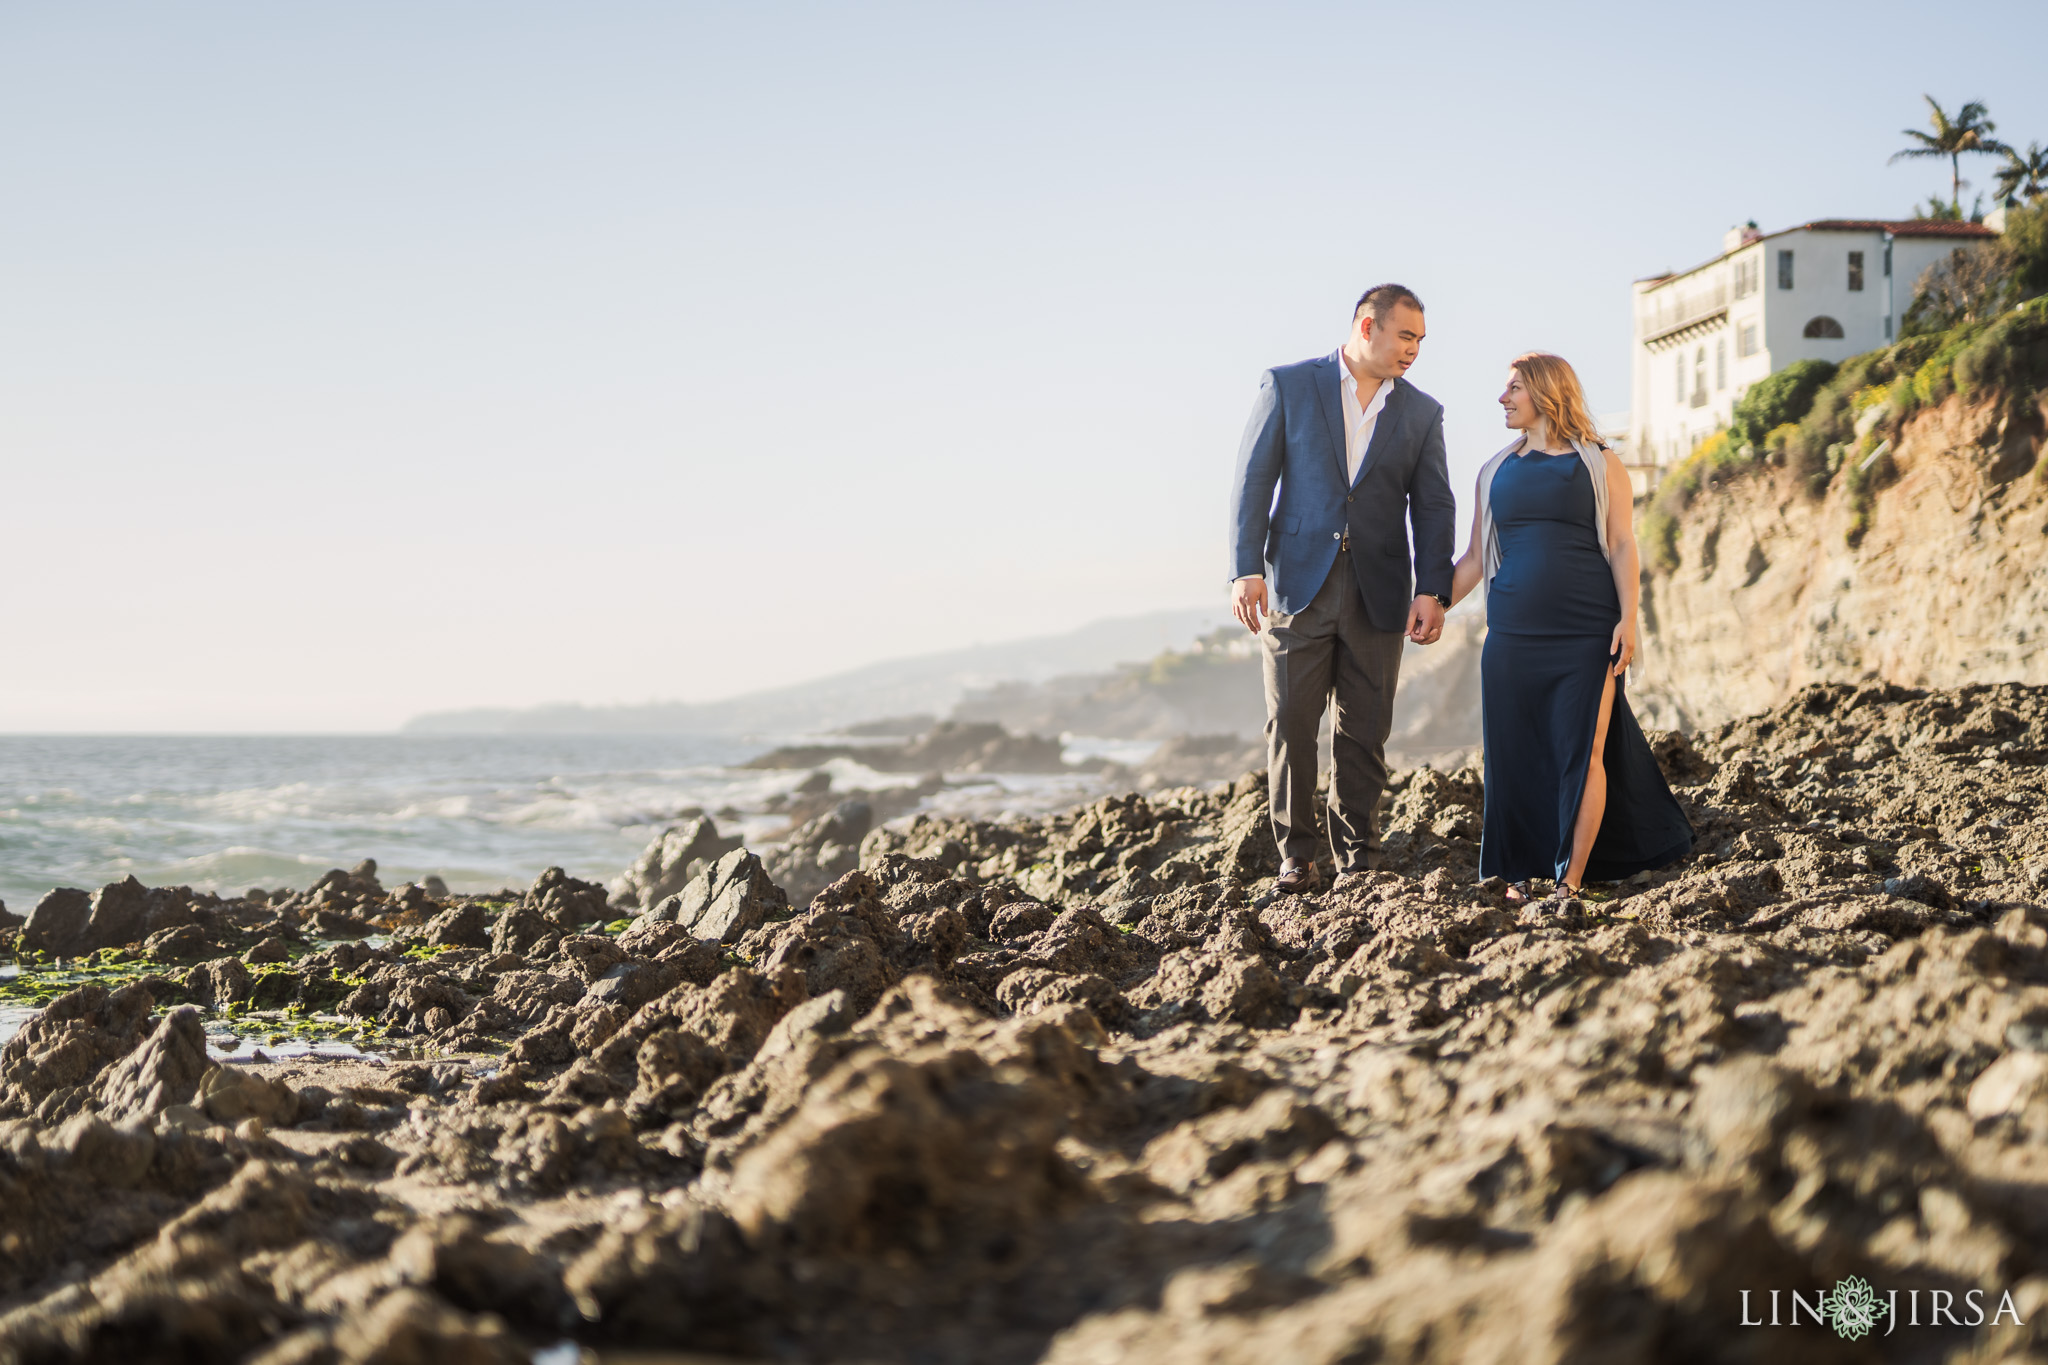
(1821, 291)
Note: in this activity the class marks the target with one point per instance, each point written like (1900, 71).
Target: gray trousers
(1329, 650)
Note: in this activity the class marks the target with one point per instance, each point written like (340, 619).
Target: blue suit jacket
(1295, 443)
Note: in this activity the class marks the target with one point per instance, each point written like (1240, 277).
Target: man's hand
(1425, 620)
(1248, 602)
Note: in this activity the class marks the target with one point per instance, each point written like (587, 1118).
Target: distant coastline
(926, 683)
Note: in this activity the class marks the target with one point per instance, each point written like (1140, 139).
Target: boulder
(668, 863)
(726, 900)
(266, 951)
(523, 930)
(413, 1327)
(565, 902)
(120, 912)
(224, 981)
(630, 985)
(975, 747)
(2008, 1085)
(68, 1045)
(821, 851)
(57, 923)
(117, 1158)
(461, 927)
(186, 943)
(164, 1071)
(590, 956)
(229, 1094)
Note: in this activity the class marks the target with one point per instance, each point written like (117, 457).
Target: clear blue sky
(362, 359)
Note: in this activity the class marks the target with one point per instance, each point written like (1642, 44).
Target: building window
(1747, 271)
(1855, 270)
(1745, 340)
(1720, 363)
(1784, 270)
(1825, 328)
(1680, 358)
(1699, 378)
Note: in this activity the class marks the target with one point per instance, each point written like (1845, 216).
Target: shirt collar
(1348, 387)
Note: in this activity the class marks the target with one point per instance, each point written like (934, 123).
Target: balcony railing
(1682, 310)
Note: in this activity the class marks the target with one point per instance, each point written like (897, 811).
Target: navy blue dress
(1551, 612)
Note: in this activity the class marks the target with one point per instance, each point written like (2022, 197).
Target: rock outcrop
(1077, 1089)
(949, 746)
(1935, 575)
(677, 854)
(818, 852)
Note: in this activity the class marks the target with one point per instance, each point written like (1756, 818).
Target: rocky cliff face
(1947, 584)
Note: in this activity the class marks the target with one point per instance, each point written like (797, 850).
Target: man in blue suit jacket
(1352, 449)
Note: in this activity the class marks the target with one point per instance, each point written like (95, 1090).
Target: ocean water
(225, 813)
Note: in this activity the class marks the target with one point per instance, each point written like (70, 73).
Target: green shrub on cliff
(1813, 450)
(1934, 380)
(2025, 244)
(1806, 418)
(1783, 397)
(2009, 355)
(1866, 475)
(1976, 283)
(1710, 461)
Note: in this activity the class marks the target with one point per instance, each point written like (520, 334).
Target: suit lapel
(1330, 398)
(1384, 430)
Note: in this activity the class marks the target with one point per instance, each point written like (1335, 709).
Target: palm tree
(2024, 174)
(1968, 131)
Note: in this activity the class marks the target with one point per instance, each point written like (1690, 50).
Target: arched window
(1824, 327)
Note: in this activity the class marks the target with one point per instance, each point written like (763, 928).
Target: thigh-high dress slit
(1551, 613)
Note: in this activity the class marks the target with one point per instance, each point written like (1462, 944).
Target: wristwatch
(1442, 600)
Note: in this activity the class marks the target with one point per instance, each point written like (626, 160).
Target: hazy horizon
(359, 364)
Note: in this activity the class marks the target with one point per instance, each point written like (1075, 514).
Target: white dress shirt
(1359, 423)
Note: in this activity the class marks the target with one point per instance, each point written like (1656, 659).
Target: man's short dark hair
(1381, 299)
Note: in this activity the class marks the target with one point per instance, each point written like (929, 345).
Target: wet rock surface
(1077, 1089)
(948, 746)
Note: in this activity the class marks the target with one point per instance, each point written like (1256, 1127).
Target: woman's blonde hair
(1554, 386)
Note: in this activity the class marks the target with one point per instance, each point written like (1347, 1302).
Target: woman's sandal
(1520, 893)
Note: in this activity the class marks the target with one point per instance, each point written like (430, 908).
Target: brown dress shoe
(1297, 876)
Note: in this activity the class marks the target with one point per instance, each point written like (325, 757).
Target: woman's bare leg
(1593, 803)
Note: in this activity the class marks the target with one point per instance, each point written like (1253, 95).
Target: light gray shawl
(1595, 461)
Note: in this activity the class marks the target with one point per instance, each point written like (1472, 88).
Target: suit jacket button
(1336, 535)
(1347, 497)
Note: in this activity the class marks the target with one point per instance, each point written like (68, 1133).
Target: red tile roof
(1901, 227)
(1909, 227)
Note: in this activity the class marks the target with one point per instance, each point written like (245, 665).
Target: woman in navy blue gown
(1572, 789)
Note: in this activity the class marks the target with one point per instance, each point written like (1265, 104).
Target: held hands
(1622, 648)
(1425, 620)
(1248, 602)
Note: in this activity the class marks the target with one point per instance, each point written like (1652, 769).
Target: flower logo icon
(1852, 1308)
